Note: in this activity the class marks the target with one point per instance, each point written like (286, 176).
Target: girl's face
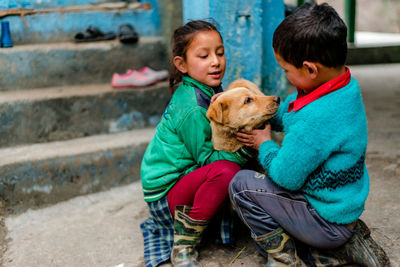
(205, 59)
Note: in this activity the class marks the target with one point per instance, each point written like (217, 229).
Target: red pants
(205, 189)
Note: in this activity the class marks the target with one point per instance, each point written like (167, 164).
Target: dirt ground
(103, 229)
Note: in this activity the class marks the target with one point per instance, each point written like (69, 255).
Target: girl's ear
(311, 69)
(180, 64)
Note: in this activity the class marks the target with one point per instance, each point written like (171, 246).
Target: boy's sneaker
(138, 78)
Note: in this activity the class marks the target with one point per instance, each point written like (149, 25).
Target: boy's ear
(311, 68)
(180, 64)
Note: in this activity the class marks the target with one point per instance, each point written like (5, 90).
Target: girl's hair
(181, 40)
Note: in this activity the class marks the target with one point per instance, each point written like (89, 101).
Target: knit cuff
(245, 154)
(266, 153)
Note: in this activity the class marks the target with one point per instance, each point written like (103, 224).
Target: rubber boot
(281, 249)
(360, 250)
(187, 235)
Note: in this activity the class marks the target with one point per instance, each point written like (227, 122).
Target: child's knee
(227, 168)
(230, 166)
(240, 181)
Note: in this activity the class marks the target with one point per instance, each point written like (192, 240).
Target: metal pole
(301, 2)
(351, 19)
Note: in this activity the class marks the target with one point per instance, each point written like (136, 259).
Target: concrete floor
(103, 229)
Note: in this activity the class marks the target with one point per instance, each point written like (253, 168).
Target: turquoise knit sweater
(322, 154)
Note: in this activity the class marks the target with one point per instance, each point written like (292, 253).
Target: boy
(317, 183)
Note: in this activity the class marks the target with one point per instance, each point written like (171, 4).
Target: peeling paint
(127, 121)
(37, 188)
(154, 120)
(89, 187)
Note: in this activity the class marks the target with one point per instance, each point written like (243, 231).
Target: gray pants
(263, 207)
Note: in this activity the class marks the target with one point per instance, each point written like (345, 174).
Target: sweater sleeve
(291, 164)
(276, 121)
(195, 131)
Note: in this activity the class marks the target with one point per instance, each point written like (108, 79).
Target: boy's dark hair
(313, 33)
(181, 40)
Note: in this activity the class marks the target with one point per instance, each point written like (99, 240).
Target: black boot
(360, 250)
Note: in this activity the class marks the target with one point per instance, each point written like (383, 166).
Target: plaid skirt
(158, 232)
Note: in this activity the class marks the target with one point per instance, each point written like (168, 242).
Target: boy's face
(299, 77)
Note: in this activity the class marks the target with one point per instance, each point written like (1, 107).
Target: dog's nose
(277, 99)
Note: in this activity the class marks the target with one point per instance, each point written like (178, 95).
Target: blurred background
(372, 16)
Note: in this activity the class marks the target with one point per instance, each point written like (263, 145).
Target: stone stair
(61, 142)
(61, 113)
(64, 130)
(37, 174)
(67, 63)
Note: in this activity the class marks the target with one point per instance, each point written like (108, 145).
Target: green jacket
(182, 142)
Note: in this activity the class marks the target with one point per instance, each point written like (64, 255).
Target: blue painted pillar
(274, 78)
(247, 27)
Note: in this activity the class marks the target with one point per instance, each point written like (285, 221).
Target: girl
(183, 177)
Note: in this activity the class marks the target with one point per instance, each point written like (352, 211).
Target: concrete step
(46, 65)
(61, 113)
(374, 48)
(39, 174)
(363, 55)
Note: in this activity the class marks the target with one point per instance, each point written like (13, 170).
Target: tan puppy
(241, 106)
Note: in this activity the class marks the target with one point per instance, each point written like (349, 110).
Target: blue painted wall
(8, 4)
(59, 27)
(247, 27)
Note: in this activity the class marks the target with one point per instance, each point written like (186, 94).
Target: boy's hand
(214, 97)
(254, 138)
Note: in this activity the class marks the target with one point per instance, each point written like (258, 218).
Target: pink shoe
(161, 75)
(138, 78)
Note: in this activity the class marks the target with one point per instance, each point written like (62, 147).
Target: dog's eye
(248, 100)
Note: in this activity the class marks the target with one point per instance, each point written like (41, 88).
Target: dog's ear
(214, 112)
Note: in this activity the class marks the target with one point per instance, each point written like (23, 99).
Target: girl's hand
(254, 138)
(214, 97)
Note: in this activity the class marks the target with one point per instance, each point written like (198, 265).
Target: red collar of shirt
(328, 87)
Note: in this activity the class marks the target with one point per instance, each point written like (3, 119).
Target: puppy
(241, 106)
